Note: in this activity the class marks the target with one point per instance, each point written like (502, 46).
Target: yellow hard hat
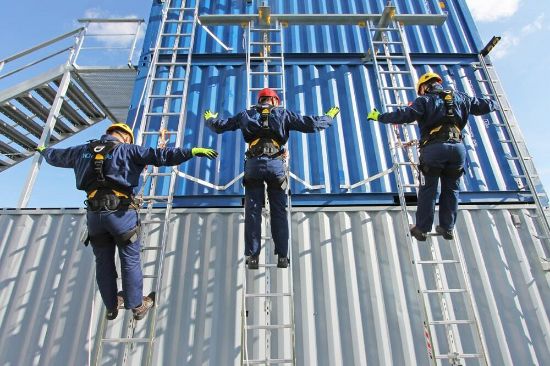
(121, 127)
(427, 77)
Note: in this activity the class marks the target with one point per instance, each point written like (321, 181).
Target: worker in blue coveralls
(108, 170)
(266, 129)
(442, 115)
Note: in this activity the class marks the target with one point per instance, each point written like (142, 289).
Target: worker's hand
(204, 152)
(40, 148)
(209, 114)
(333, 112)
(373, 115)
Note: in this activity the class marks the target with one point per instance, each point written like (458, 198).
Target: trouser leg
(279, 219)
(106, 274)
(131, 273)
(254, 200)
(427, 195)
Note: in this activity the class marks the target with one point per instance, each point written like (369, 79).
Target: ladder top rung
(126, 340)
(388, 42)
(267, 361)
(394, 57)
(272, 326)
(448, 322)
(271, 294)
(385, 29)
(460, 355)
(444, 291)
(265, 29)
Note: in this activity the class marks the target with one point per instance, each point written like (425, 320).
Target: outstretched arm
(61, 158)
(309, 124)
(221, 125)
(168, 156)
(479, 106)
(402, 115)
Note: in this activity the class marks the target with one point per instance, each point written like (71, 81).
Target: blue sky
(521, 60)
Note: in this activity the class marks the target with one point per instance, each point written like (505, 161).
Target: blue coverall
(447, 156)
(265, 169)
(123, 166)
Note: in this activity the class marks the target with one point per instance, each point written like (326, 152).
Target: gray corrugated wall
(355, 299)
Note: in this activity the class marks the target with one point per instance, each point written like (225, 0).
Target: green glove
(209, 114)
(204, 152)
(333, 112)
(373, 115)
(40, 148)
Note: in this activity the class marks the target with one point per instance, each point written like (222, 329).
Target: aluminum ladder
(162, 124)
(443, 285)
(512, 140)
(267, 333)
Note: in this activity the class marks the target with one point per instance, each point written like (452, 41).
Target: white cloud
(510, 40)
(111, 34)
(491, 10)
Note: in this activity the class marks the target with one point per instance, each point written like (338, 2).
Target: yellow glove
(40, 148)
(204, 152)
(333, 112)
(373, 115)
(209, 114)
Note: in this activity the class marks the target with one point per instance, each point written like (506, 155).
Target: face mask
(435, 87)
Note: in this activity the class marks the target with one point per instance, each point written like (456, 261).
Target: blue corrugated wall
(324, 68)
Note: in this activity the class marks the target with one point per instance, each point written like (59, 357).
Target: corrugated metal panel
(349, 151)
(355, 300)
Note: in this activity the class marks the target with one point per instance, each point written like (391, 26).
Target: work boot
(113, 313)
(446, 234)
(282, 262)
(146, 304)
(252, 262)
(418, 234)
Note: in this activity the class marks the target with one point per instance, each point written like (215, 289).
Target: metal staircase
(268, 296)
(451, 326)
(162, 124)
(50, 106)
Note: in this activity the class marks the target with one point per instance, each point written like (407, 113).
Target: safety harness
(104, 194)
(448, 128)
(266, 144)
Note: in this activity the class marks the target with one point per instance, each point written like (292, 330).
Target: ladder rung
(157, 96)
(444, 261)
(180, 9)
(265, 73)
(273, 326)
(267, 361)
(173, 48)
(521, 176)
(446, 291)
(449, 322)
(159, 174)
(269, 265)
(395, 105)
(155, 198)
(256, 89)
(176, 34)
(408, 185)
(385, 29)
(271, 294)
(162, 114)
(405, 163)
(150, 276)
(266, 57)
(266, 43)
(151, 248)
(505, 141)
(388, 42)
(398, 88)
(159, 132)
(391, 57)
(178, 21)
(264, 30)
(171, 63)
(168, 79)
(459, 355)
(126, 340)
(393, 72)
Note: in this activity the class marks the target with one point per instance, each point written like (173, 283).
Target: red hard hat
(267, 92)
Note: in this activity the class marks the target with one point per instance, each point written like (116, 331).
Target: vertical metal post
(134, 42)
(50, 123)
